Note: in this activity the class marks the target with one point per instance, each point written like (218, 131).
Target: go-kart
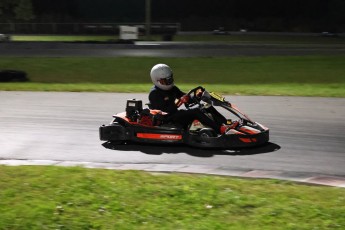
(140, 125)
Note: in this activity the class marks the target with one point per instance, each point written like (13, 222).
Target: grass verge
(47, 197)
(232, 38)
(297, 76)
(305, 90)
(61, 38)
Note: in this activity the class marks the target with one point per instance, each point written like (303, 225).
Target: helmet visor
(166, 81)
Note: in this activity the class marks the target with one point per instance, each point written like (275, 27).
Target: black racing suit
(164, 100)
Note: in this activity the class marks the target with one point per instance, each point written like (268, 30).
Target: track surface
(307, 134)
(164, 49)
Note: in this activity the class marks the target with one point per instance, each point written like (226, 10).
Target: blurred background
(166, 16)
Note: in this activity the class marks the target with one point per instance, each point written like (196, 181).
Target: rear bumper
(112, 132)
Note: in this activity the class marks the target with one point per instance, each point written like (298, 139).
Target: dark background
(194, 15)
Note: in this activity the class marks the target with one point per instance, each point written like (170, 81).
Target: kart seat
(151, 117)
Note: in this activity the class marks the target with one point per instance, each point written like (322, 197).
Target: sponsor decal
(159, 136)
(170, 137)
(217, 96)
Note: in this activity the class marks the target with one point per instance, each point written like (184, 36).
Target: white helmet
(162, 76)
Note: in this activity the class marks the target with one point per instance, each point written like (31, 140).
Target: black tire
(206, 133)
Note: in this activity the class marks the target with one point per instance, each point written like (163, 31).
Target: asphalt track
(163, 49)
(307, 137)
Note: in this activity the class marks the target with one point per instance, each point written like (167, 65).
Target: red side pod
(123, 116)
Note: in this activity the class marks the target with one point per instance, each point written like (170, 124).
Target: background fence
(83, 28)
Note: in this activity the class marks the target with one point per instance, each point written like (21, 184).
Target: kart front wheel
(206, 133)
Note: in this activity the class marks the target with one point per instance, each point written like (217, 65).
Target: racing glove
(184, 99)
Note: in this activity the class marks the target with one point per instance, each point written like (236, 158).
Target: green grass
(61, 38)
(297, 76)
(309, 90)
(267, 39)
(233, 38)
(44, 197)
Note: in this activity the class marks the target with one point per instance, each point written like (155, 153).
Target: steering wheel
(194, 96)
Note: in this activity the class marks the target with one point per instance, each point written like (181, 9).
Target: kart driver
(163, 95)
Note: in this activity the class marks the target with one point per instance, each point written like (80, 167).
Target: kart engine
(133, 109)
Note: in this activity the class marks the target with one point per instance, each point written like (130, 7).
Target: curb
(308, 178)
